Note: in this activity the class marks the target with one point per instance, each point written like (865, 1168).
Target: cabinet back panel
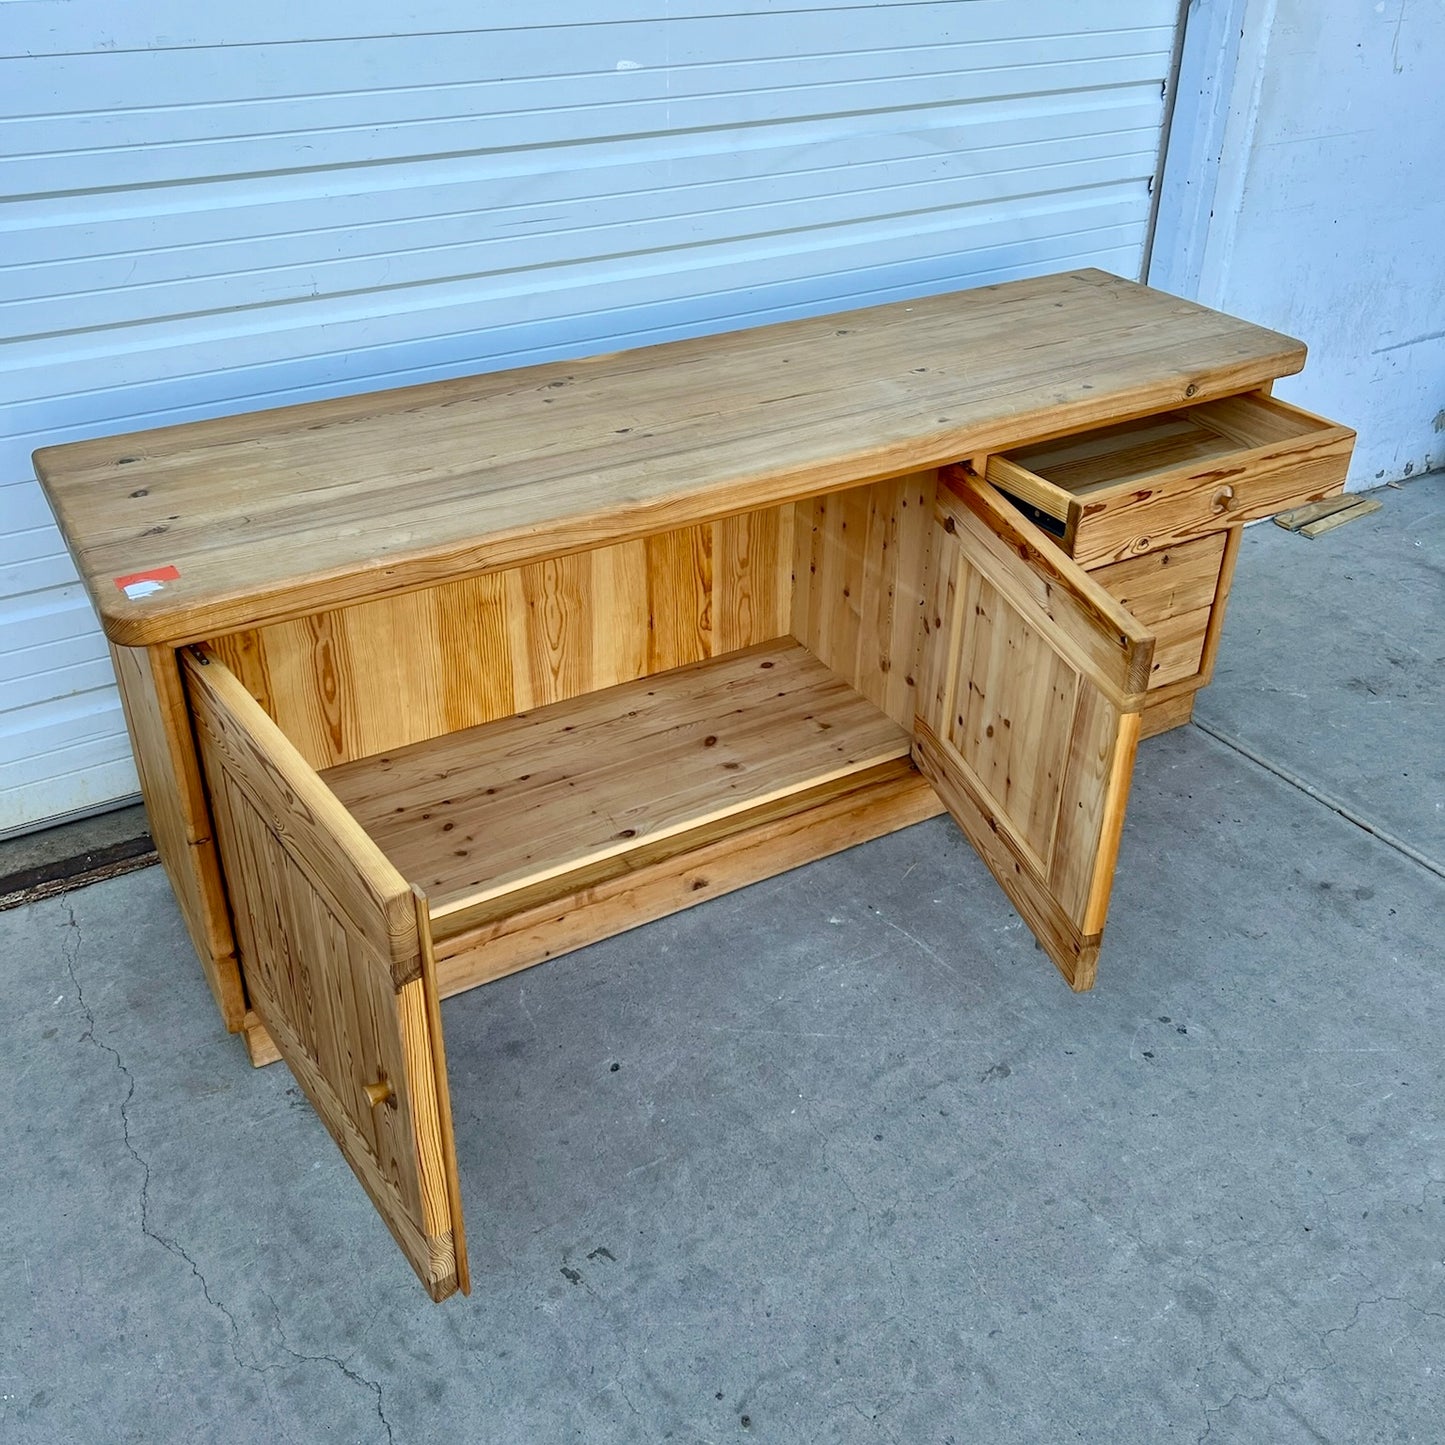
(358, 680)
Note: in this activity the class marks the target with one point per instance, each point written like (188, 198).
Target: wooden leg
(1168, 712)
(259, 1044)
(154, 700)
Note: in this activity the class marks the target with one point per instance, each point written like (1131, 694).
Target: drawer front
(1130, 489)
(1172, 593)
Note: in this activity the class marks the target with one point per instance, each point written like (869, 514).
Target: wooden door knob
(1222, 498)
(378, 1093)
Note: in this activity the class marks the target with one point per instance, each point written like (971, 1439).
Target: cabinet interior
(512, 738)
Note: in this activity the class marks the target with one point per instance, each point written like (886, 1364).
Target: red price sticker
(142, 584)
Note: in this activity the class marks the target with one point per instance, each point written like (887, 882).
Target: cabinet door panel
(1029, 716)
(336, 952)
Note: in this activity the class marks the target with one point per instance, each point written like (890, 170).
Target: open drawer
(1140, 485)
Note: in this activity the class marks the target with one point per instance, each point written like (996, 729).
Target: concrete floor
(867, 1171)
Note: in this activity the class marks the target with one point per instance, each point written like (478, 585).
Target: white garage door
(218, 208)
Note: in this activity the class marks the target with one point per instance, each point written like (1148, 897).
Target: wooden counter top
(279, 513)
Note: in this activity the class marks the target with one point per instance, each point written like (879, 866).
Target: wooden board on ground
(1338, 519)
(1298, 517)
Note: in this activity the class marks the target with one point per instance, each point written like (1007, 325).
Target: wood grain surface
(632, 889)
(686, 869)
(156, 714)
(1029, 716)
(338, 967)
(1138, 486)
(360, 680)
(277, 514)
(860, 574)
(477, 815)
(1172, 593)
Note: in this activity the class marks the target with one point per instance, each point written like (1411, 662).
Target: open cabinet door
(336, 953)
(1028, 717)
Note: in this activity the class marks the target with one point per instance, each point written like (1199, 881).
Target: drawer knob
(1222, 498)
(378, 1093)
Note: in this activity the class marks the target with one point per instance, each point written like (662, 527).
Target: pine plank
(323, 840)
(478, 815)
(1298, 517)
(339, 969)
(1172, 592)
(680, 872)
(1075, 954)
(359, 680)
(439, 1163)
(1125, 454)
(154, 701)
(1030, 716)
(860, 567)
(1140, 485)
(1085, 623)
(1338, 519)
(260, 1046)
(1163, 713)
(627, 891)
(305, 509)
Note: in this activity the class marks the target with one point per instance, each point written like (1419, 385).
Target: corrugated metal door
(219, 208)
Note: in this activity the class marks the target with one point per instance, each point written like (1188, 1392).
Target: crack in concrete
(626, 1398)
(826, 1141)
(932, 954)
(876, 1418)
(70, 949)
(1239, 1397)
(1381, 1299)
(353, 1375)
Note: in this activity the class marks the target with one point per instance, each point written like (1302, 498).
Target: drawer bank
(430, 685)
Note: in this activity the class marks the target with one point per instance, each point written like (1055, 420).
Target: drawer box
(1132, 488)
(1172, 592)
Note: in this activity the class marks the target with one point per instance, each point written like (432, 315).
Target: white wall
(1305, 189)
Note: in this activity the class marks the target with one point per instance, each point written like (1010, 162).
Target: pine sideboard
(429, 685)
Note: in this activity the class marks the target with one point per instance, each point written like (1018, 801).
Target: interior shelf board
(475, 815)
